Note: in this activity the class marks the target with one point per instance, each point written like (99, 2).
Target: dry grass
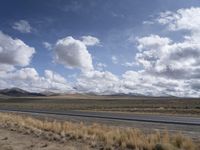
(101, 103)
(97, 135)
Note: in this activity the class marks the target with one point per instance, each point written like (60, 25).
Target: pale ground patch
(12, 140)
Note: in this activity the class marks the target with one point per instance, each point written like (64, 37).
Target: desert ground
(17, 135)
(13, 140)
(28, 132)
(163, 105)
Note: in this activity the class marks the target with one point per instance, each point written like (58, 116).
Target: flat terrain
(26, 131)
(146, 113)
(165, 105)
(141, 112)
(189, 126)
(12, 140)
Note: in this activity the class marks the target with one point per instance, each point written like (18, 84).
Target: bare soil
(13, 140)
(159, 105)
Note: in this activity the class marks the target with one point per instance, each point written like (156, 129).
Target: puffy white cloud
(90, 40)
(22, 26)
(170, 67)
(22, 78)
(24, 74)
(161, 56)
(143, 83)
(175, 60)
(55, 82)
(152, 42)
(138, 82)
(14, 52)
(29, 79)
(55, 77)
(73, 53)
(132, 82)
(97, 82)
(5, 68)
(183, 19)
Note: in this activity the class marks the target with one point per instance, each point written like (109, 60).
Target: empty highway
(147, 122)
(150, 118)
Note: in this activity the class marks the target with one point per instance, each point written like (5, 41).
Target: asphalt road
(149, 118)
(189, 126)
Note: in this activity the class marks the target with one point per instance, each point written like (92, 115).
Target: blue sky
(117, 25)
(112, 22)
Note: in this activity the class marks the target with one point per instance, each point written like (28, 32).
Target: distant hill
(18, 92)
(129, 94)
(23, 93)
(49, 93)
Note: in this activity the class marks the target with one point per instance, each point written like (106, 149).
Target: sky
(101, 46)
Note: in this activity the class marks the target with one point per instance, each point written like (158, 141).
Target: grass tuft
(97, 135)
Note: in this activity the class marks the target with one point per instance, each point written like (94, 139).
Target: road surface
(187, 125)
(151, 118)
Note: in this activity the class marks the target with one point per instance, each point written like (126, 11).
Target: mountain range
(18, 92)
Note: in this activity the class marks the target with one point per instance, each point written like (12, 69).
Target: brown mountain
(18, 92)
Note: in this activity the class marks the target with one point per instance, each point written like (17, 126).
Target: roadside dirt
(12, 140)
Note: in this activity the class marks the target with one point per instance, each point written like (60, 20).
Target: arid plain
(75, 131)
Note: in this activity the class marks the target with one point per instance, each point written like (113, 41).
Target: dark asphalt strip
(79, 114)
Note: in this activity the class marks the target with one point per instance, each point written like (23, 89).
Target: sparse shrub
(159, 147)
(178, 140)
(109, 137)
(164, 146)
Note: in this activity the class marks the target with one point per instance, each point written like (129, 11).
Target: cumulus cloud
(22, 26)
(55, 77)
(176, 60)
(167, 66)
(143, 83)
(131, 82)
(171, 66)
(90, 40)
(55, 82)
(24, 74)
(98, 82)
(183, 19)
(165, 57)
(152, 41)
(29, 79)
(5, 68)
(14, 52)
(73, 53)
